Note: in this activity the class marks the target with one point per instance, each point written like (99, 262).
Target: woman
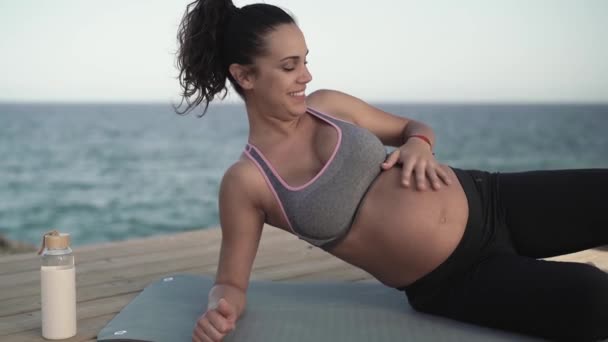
(461, 244)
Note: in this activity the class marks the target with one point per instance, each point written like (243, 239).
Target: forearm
(418, 128)
(232, 294)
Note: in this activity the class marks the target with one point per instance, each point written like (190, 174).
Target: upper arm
(386, 126)
(241, 220)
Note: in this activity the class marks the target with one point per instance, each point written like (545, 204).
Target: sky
(381, 50)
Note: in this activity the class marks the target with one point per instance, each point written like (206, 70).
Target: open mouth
(297, 93)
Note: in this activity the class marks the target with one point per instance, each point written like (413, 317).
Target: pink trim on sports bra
(331, 158)
(276, 196)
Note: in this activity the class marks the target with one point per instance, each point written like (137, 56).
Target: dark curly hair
(214, 34)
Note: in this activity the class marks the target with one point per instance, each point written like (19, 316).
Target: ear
(242, 74)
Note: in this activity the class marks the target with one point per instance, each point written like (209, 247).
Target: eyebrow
(294, 57)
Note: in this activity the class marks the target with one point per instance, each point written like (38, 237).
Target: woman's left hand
(417, 158)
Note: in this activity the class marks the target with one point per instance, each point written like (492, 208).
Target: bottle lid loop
(54, 240)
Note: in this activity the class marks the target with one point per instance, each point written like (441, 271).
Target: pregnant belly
(400, 234)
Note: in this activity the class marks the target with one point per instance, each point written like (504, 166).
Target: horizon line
(372, 102)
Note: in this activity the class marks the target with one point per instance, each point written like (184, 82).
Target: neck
(268, 126)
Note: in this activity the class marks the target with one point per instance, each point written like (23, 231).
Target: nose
(305, 76)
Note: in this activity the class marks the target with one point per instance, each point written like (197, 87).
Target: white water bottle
(57, 287)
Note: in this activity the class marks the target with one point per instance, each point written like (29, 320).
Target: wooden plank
(27, 278)
(95, 284)
(24, 321)
(119, 268)
(141, 246)
(23, 278)
(115, 303)
(131, 247)
(117, 273)
(123, 250)
(27, 321)
(294, 269)
(334, 274)
(121, 246)
(87, 331)
(27, 302)
(597, 256)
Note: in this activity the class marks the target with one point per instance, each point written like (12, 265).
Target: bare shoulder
(239, 171)
(332, 102)
(345, 106)
(243, 182)
(387, 126)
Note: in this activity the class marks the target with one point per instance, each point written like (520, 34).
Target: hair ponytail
(199, 58)
(215, 34)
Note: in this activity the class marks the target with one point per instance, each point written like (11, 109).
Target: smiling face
(279, 77)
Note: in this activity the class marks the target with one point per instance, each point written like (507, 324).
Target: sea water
(110, 172)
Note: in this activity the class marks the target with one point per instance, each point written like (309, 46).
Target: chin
(302, 110)
(302, 107)
(297, 110)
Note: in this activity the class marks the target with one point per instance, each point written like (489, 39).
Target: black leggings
(493, 277)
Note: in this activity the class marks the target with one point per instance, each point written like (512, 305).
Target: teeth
(299, 93)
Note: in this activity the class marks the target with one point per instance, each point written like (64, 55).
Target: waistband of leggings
(467, 250)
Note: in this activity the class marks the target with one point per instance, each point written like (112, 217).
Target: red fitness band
(428, 141)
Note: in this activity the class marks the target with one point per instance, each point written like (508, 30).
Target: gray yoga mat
(167, 310)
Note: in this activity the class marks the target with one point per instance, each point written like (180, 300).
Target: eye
(291, 67)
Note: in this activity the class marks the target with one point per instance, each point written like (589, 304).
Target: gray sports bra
(322, 210)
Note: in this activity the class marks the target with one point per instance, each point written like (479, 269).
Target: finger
(433, 178)
(391, 160)
(199, 336)
(210, 331)
(420, 174)
(406, 173)
(444, 176)
(226, 309)
(219, 322)
(197, 333)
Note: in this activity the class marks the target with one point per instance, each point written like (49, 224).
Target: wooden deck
(109, 276)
